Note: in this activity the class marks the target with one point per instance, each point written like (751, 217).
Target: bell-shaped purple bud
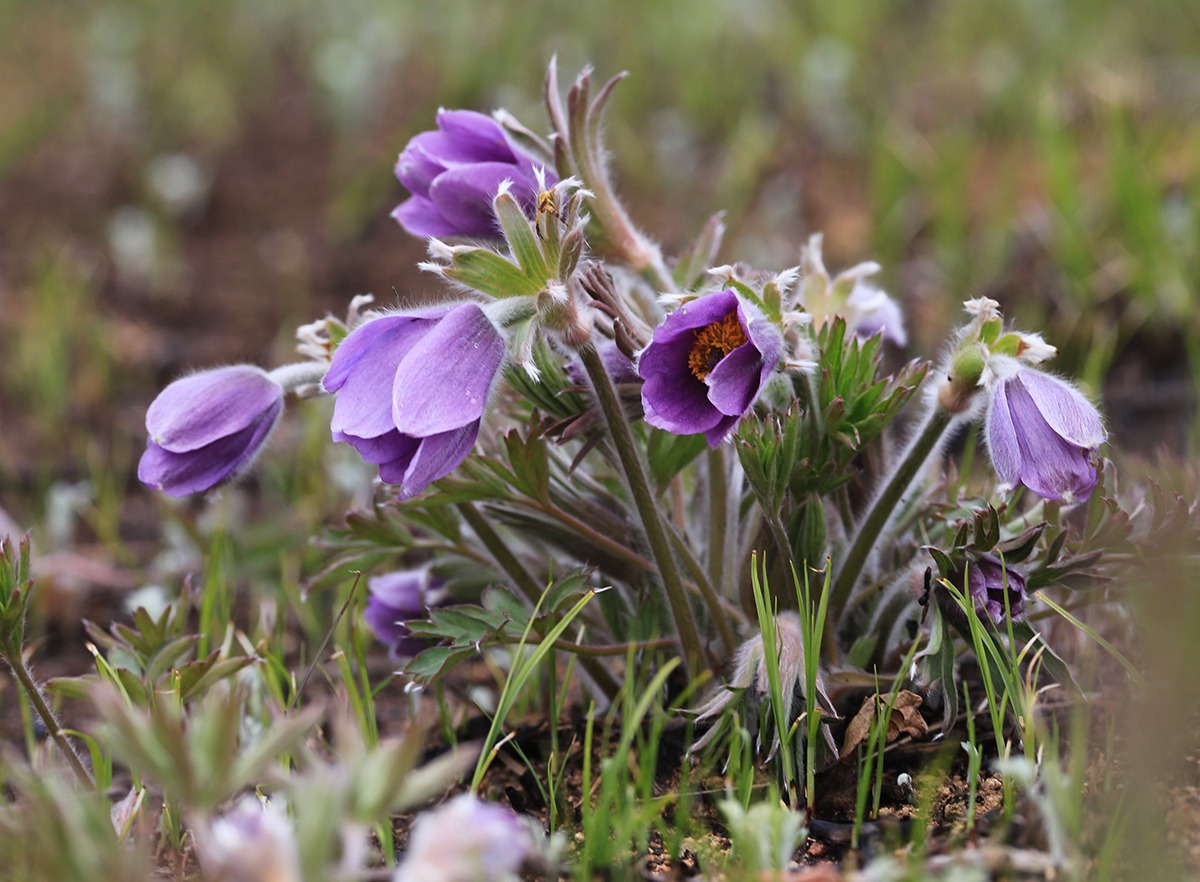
(412, 389)
(1042, 433)
(987, 581)
(468, 840)
(455, 172)
(207, 428)
(399, 597)
(705, 366)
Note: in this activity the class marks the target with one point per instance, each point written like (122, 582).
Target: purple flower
(397, 598)
(454, 174)
(207, 428)
(412, 390)
(467, 840)
(871, 311)
(252, 841)
(1042, 432)
(706, 364)
(987, 580)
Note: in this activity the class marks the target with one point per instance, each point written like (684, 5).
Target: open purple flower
(1042, 432)
(706, 364)
(454, 174)
(207, 428)
(412, 390)
(397, 598)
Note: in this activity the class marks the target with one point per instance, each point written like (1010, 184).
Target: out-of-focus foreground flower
(467, 840)
(207, 428)
(412, 389)
(706, 365)
(397, 598)
(455, 172)
(254, 842)
(1041, 432)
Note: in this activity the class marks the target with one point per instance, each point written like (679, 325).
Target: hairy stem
(12, 655)
(718, 515)
(924, 442)
(643, 500)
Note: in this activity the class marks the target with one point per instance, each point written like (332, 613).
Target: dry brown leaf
(905, 718)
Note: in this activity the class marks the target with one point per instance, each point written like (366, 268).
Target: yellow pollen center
(714, 342)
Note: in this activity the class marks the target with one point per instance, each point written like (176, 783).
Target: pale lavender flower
(870, 311)
(467, 840)
(1042, 433)
(455, 172)
(399, 597)
(254, 842)
(207, 428)
(412, 389)
(705, 366)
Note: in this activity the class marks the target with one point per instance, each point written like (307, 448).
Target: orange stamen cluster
(714, 342)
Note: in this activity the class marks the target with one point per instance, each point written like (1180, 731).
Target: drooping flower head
(467, 840)
(205, 429)
(706, 364)
(399, 597)
(455, 172)
(1042, 432)
(412, 389)
(987, 580)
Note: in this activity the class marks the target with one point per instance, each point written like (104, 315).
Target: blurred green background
(182, 183)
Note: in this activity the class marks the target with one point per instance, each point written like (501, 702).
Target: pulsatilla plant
(581, 411)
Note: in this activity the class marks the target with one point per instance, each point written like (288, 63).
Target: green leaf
(490, 273)
(522, 240)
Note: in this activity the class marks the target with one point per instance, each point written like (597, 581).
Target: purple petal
(476, 136)
(1050, 466)
(385, 449)
(363, 370)
(463, 196)
(437, 457)
(420, 162)
(1002, 437)
(735, 381)
(196, 411)
(721, 430)
(1067, 412)
(420, 217)
(179, 474)
(402, 590)
(443, 381)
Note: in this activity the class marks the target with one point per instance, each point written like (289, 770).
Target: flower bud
(207, 428)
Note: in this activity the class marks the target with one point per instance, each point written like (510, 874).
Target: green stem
(705, 589)
(718, 514)
(36, 698)
(923, 444)
(528, 586)
(643, 499)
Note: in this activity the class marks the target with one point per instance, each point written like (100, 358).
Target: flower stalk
(643, 499)
(923, 444)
